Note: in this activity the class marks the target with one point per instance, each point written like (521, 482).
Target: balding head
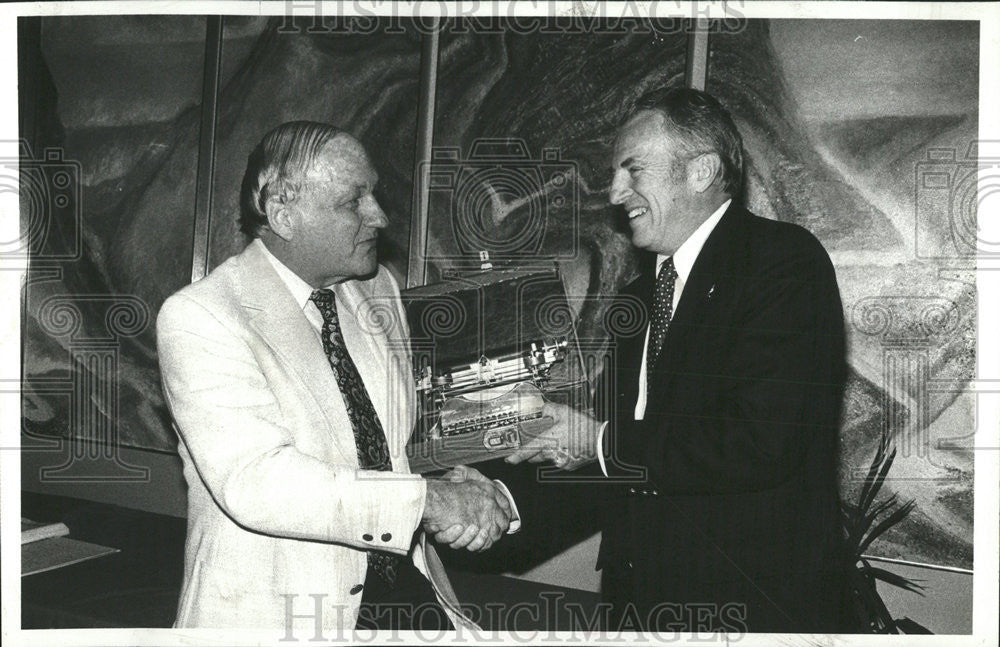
(276, 167)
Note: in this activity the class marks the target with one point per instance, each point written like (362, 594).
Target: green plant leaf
(898, 515)
(877, 461)
(861, 527)
(875, 485)
(881, 508)
(908, 626)
(895, 579)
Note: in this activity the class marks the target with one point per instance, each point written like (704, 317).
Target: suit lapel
(712, 263)
(644, 284)
(282, 325)
(631, 346)
(628, 340)
(389, 379)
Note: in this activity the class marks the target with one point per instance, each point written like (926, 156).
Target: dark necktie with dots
(369, 438)
(663, 310)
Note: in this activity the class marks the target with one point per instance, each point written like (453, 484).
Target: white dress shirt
(359, 352)
(301, 291)
(684, 259)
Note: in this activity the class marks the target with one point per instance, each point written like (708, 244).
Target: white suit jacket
(279, 515)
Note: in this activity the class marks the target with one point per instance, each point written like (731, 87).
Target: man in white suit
(288, 375)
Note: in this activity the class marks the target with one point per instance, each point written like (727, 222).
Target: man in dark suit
(722, 434)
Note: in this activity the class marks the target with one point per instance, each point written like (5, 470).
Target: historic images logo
(659, 18)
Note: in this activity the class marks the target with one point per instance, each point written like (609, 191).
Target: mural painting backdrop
(844, 122)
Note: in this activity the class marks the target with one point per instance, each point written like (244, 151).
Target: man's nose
(620, 189)
(375, 217)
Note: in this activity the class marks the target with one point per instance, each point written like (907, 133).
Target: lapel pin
(711, 291)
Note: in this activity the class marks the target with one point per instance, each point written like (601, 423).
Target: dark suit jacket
(738, 505)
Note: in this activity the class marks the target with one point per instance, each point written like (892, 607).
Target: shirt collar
(687, 253)
(301, 291)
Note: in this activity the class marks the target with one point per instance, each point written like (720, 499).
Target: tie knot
(667, 270)
(322, 297)
(325, 302)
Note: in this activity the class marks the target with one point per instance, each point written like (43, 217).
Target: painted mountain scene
(861, 131)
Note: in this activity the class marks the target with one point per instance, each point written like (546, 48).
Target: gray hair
(276, 166)
(700, 124)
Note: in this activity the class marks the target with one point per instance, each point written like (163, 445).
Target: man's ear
(703, 170)
(280, 219)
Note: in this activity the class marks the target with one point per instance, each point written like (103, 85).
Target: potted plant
(864, 521)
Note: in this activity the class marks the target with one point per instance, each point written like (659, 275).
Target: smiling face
(654, 182)
(335, 217)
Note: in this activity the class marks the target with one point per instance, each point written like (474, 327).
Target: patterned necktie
(663, 310)
(369, 438)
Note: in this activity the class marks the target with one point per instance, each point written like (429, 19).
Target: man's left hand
(569, 443)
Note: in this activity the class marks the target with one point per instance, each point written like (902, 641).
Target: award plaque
(489, 349)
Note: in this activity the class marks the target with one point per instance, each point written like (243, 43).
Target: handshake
(465, 509)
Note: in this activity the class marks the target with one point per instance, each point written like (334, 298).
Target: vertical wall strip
(419, 221)
(29, 71)
(696, 66)
(205, 185)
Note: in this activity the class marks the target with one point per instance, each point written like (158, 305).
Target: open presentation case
(489, 348)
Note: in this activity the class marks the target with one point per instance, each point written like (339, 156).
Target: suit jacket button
(387, 536)
(357, 589)
(367, 537)
(631, 490)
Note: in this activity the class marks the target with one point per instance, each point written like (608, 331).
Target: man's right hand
(465, 512)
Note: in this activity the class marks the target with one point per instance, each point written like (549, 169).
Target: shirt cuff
(600, 448)
(515, 517)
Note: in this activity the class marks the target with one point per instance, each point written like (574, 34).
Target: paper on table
(38, 530)
(56, 552)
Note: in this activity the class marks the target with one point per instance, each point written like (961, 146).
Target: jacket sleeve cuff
(401, 498)
(601, 449)
(515, 518)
